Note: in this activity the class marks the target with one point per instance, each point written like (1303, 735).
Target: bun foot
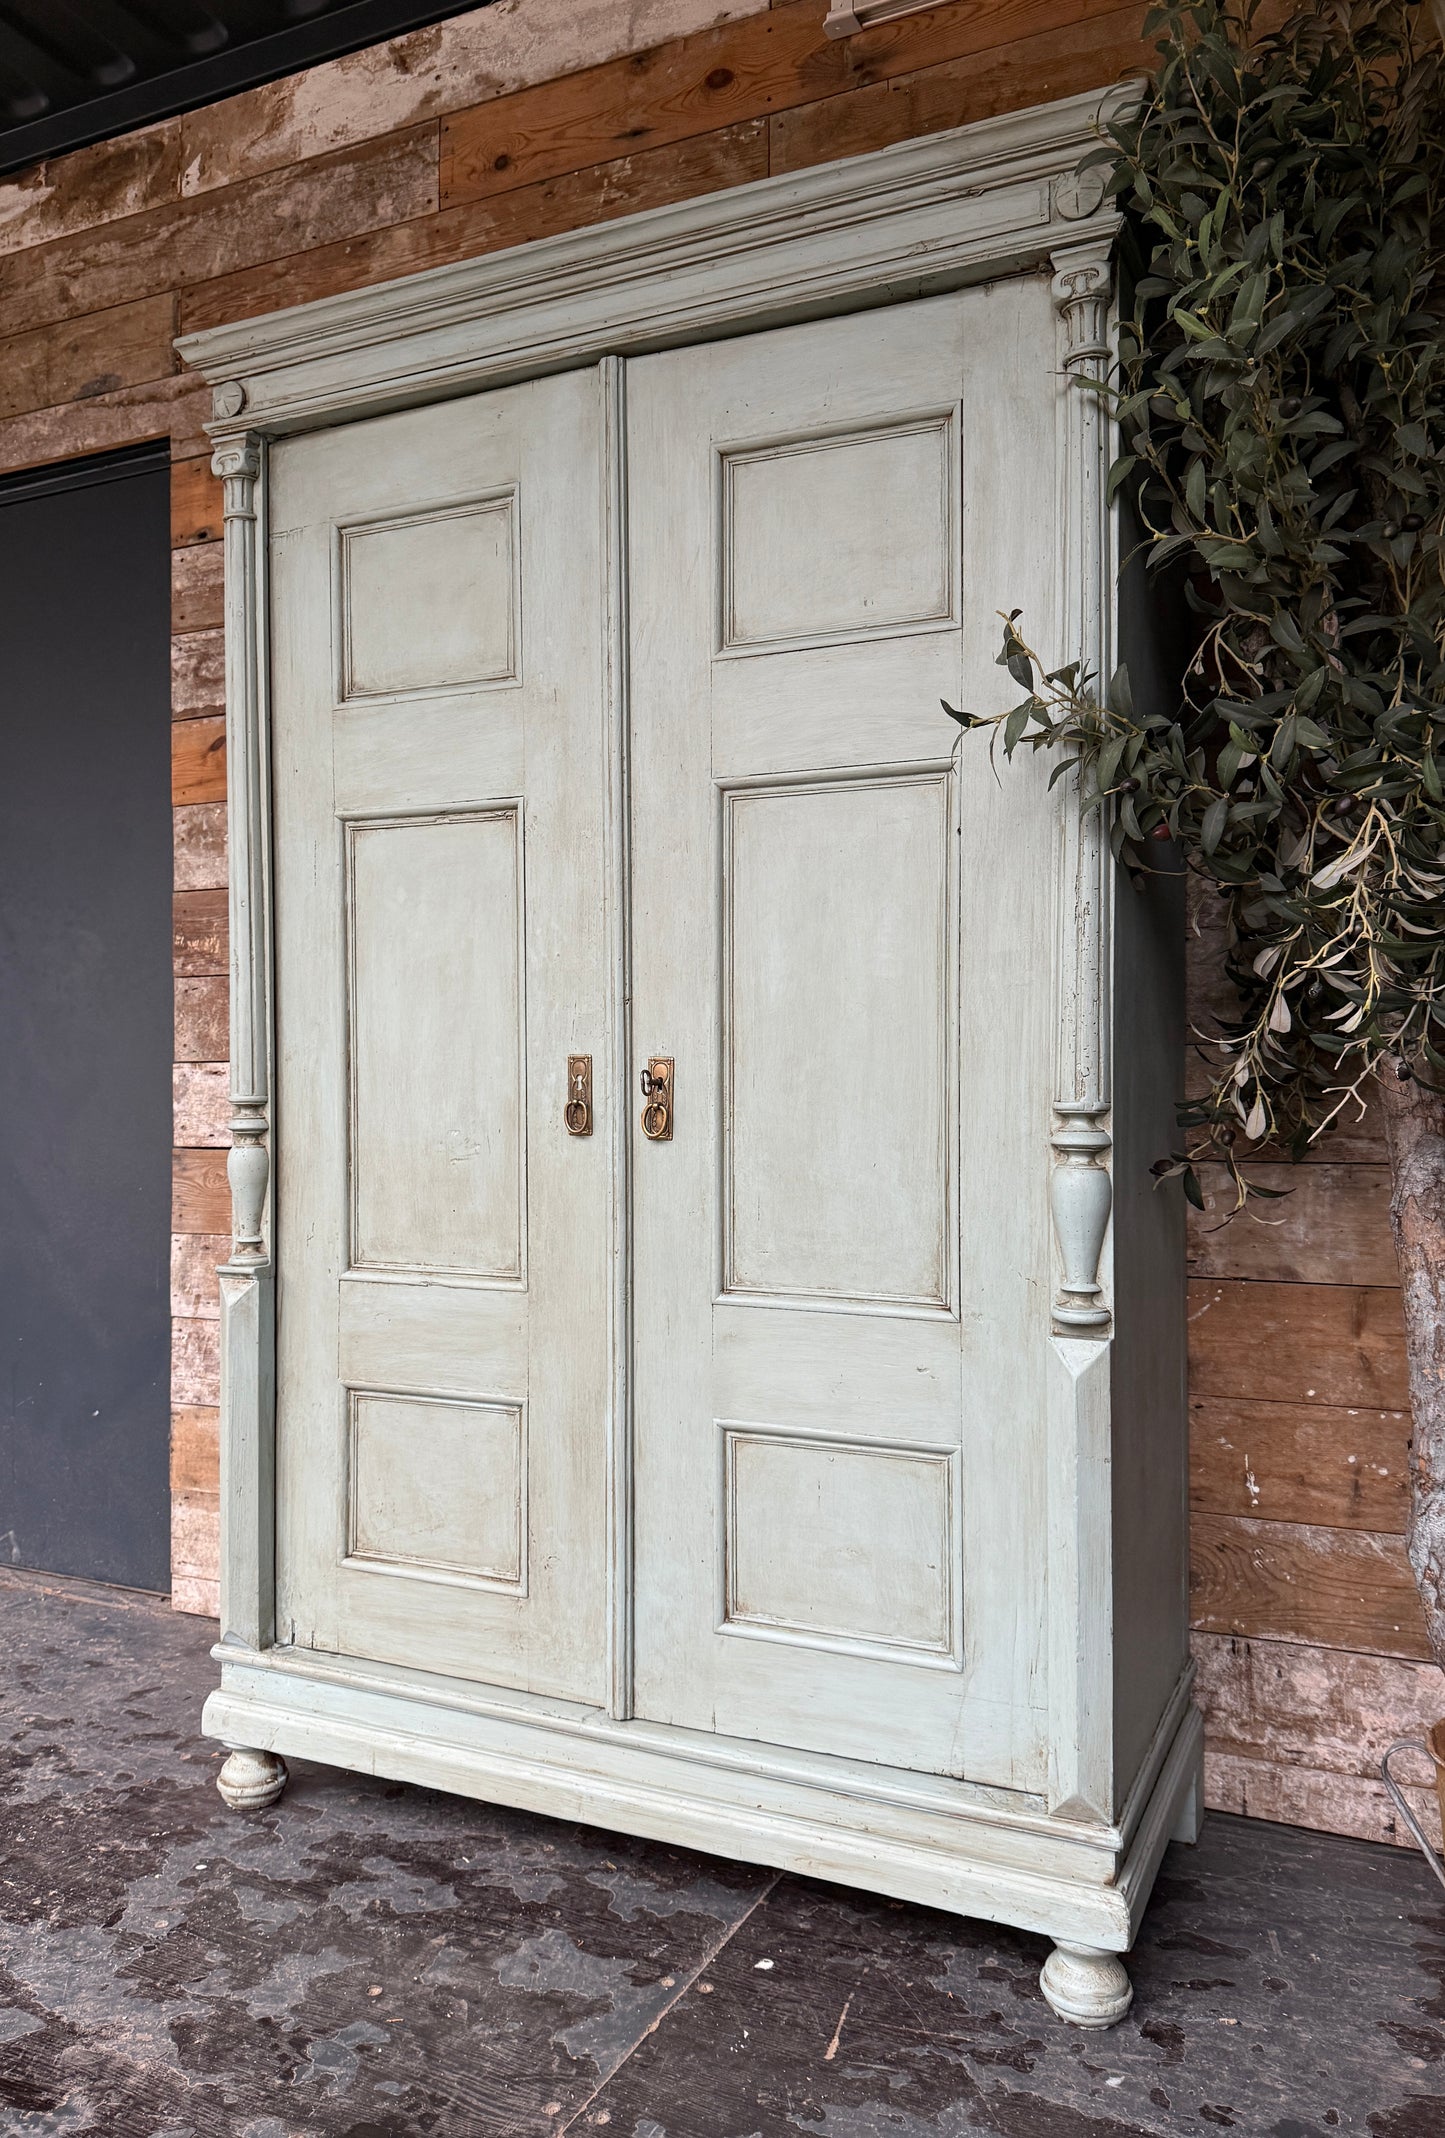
(1087, 1987)
(249, 1781)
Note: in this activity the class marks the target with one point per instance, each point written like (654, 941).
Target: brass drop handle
(577, 1113)
(657, 1090)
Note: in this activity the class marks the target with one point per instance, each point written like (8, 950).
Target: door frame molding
(1002, 196)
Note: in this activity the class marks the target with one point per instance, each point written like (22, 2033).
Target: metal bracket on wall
(843, 19)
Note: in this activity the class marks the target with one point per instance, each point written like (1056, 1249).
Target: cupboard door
(841, 940)
(443, 910)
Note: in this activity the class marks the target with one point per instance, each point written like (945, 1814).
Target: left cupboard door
(444, 928)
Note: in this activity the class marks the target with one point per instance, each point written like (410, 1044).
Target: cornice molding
(924, 216)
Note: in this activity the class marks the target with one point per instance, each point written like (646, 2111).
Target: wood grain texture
(200, 1104)
(695, 84)
(1078, 55)
(195, 1447)
(1289, 1581)
(195, 1535)
(198, 761)
(202, 1019)
(200, 933)
(1297, 1343)
(198, 671)
(197, 593)
(1300, 1462)
(98, 354)
(733, 156)
(1302, 1795)
(200, 1192)
(1292, 1704)
(199, 845)
(489, 52)
(173, 408)
(196, 1362)
(1330, 1226)
(196, 501)
(101, 184)
(195, 1258)
(284, 212)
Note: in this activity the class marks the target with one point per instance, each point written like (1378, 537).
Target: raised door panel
(839, 929)
(444, 941)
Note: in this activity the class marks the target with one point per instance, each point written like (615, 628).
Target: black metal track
(75, 71)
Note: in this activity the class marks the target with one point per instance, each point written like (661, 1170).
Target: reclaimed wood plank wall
(535, 116)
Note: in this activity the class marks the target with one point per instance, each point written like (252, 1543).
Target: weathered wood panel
(195, 1448)
(195, 1552)
(1297, 1343)
(1073, 57)
(385, 88)
(94, 185)
(128, 345)
(200, 932)
(200, 1101)
(198, 588)
(1308, 1796)
(693, 85)
(196, 1362)
(198, 761)
(202, 1020)
(732, 157)
(200, 1192)
(1287, 1581)
(1300, 1462)
(195, 1292)
(1330, 1226)
(378, 182)
(199, 845)
(198, 665)
(173, 408)
(196, 500)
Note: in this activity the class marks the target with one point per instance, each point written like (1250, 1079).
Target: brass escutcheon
(657, 1090)
(577, 1113)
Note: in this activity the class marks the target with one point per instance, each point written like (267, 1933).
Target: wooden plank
(173, 408)
(198, 761)
(129, 345)
(1062, 62)
(120, 177)
(283, 212)
(195, 1597)
(198, 666)
(1331, 1226)
(1300, 1462)
(201, 1104)
(1289, 1704)
(200, 1192)
(734, 156)
(693, 85)
(1289, 1581)
(199, 845)
(195, 1258)
(488, 52)
(197, 590)
(195, 1448)
(1306, 1796)
(202, 1020)
(1297, 1343)
(196, 1362)
(196, 498)
(200, 933)
(195, 1534)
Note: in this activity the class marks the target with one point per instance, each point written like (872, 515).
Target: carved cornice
(922, 216)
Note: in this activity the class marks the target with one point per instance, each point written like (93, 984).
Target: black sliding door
(85, 1018)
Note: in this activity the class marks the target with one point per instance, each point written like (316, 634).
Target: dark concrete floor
(374, 1961)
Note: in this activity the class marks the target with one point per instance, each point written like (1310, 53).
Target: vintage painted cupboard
(701, 1350)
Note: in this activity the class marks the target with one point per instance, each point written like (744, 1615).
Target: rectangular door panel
(444, 942)
(838, 1434)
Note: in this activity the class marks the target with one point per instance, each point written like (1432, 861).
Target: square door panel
(437, 1146)
(840, 1542)
(838, 1056)
(839, 537)
(438, 1488)
(430, 602)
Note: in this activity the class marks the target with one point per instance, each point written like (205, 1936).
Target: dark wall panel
(85, 1022)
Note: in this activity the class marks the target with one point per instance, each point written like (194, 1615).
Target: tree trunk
(1415, 1133)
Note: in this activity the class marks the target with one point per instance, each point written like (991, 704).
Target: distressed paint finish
(371, 1959)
